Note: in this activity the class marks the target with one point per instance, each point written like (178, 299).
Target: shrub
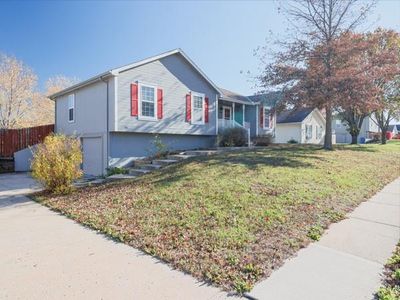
(116, 170)
(292, 141)
(263, 140)
(159, 148)
(56, 163)
(233, 137)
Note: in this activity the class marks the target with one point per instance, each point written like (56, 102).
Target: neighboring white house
(304, 125)
(368, 129)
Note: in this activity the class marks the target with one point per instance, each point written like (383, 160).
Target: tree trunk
(383, 137)
(328, 129)
(354, 139)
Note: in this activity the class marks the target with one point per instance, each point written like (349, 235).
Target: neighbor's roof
(391, 127)
(116, 71)
(293, 116)
(234, 97)
(270, 99)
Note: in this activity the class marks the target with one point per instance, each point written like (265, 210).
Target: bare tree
(315, 25)
(42, 109)
(17, 84)
(58, 83)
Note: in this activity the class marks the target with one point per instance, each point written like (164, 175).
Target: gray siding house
(118, 113)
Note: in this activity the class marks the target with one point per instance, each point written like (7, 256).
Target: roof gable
(234, 97)
(270, 99)
(293, 116)
(116, 71)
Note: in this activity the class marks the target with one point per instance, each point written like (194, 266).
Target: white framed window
(71, 108)
(308, 132)
(198, 108)
(318, 131)
(267, 118)
(147, 102)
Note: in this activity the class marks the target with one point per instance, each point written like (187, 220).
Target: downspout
(107, 123)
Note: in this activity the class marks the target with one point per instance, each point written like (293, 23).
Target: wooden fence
(12, 140)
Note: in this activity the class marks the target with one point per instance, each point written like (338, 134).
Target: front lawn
(233, 218)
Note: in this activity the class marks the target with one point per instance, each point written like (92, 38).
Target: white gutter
(82, 84)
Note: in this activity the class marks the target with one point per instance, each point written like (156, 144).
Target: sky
(81, 39)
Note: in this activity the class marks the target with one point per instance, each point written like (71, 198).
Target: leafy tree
(390, 107)
(304, 69)
(359, 67)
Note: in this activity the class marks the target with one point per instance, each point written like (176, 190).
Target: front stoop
(142, 167)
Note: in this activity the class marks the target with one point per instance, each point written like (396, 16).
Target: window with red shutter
(261, 116)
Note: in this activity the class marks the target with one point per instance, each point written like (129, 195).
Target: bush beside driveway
(233, 218)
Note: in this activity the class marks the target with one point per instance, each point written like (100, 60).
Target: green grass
(233, 218)
(391, 285)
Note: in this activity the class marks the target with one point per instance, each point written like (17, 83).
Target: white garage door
(92, 156)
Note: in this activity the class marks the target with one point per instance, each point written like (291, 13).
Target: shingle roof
(270, 99)
(293, 116)
(391, 127)
(232, 96)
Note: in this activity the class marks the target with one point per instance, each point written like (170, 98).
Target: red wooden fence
(12, 140)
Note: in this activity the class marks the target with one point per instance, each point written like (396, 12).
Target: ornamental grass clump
(56, 163)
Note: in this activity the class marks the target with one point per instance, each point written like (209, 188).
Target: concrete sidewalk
(347, 262)
(44, 255)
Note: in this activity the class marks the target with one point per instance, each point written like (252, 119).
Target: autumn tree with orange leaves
(304, 67)
(367, 65)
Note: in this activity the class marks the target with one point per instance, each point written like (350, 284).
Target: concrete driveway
(44, 255)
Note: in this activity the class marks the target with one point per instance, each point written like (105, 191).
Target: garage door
(92, 156)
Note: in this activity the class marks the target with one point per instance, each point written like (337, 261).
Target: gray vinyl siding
(177, 78)
(129, 144)
(250, 116)
(90, 113)
(90, 110)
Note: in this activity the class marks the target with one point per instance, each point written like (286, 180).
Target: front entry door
(227, 112)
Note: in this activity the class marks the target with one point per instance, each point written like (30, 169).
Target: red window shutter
(188, 108)
(261, 116)
(134, 99)
(159, 103)
(206, 110)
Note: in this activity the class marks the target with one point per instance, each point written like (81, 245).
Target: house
(118, 114)
(394, 129)
(303, 125)
(368, 129)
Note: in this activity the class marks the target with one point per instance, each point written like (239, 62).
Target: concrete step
(141, 162)
(138, 172)
(200, 152)
(150, 167)
(164, 162)
(120, 177)
(180, 156)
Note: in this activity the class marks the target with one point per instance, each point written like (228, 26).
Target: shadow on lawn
(356, 148)
(293, 157)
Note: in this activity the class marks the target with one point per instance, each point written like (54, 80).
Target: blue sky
(81, 39)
